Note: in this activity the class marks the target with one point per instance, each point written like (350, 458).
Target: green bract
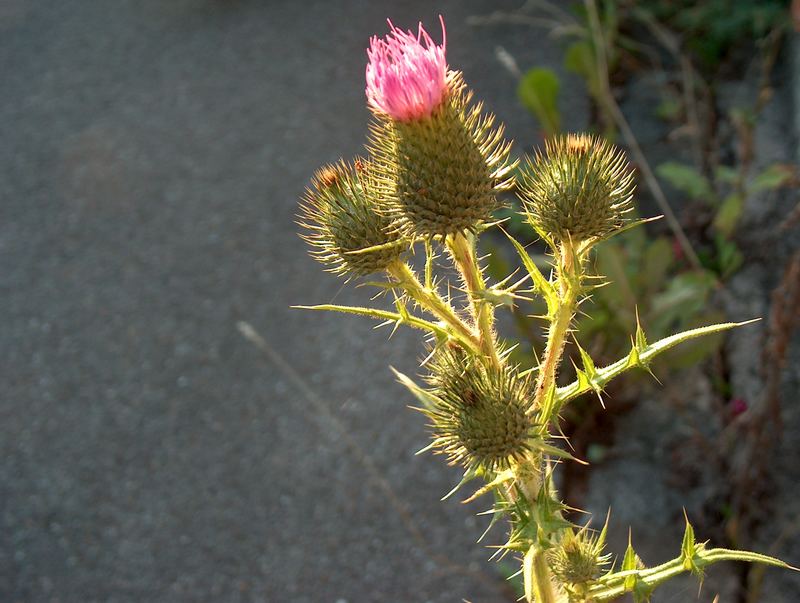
(479, 413)
(339, 213)
(579, 189)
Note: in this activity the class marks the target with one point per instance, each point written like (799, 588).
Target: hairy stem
(569, 287)
(431, 301)
(529, 478)
(463, 252)
(542, 582)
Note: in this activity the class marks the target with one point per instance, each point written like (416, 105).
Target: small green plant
(724, 194)
(435, 167)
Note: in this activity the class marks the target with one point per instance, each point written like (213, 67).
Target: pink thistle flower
(406, 74)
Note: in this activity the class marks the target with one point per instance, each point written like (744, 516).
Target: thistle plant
(435, 165)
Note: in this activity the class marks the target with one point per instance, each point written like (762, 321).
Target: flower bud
(580, 189)
(578, 558)
(479, 417)
(441, 161)
(339, 213)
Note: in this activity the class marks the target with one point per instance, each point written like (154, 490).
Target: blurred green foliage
(711, 28)
(671, 295)
(646, 276)
(724, 194)
(538, 91)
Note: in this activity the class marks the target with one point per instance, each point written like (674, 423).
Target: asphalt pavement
(151, 158)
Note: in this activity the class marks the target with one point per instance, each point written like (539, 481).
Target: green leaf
(541, 284)
(579, 58)
(774, 176)
(685, 296)
(538, 91)
(726, 174)
(687, 180)
(399, 318)
(639, 358)
(728, 214)
(668, 109)
(729, 258)
(658, 258)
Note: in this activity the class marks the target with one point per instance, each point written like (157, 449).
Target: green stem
(569, 273)
(542, 582)
(569, 288)
(430, 300)
(463, 252)
(614, 586)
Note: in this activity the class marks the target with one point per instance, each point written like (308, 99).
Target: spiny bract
(441, 174)
(578, 558)
(341, 220)
(479, 416)
(579, 189)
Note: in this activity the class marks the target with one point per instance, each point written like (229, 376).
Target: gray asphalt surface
(151, 157)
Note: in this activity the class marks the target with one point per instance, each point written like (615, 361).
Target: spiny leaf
(640, 339)
(628, 226)
(613, 585)
(688, 548)
(629, 565)
(419, 393)
(589, 372)
(713, 555)
(639, 358)
(548, 410)
(501, 478)
(400, 317)
(469, 475)
(541, 284)
(554, 451)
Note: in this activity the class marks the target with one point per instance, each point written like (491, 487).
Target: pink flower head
(406, 74)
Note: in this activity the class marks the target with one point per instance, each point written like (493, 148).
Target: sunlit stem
(568, 277)
(568, 281)
(428, 264)
(542, 581)
(463, 251)
(431, 301)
